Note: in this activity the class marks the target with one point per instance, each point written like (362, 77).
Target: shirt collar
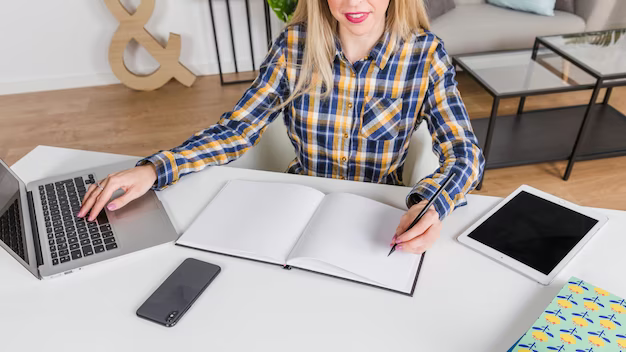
(380, 53)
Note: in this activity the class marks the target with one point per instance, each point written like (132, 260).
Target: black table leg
(232, 39)
(535, 49)
(520, 109)
(268, 24)
(492, 124)
(607, 95)
(581, 132)
(232, 36)
(217, 50)
(522, 100)
(250, 34)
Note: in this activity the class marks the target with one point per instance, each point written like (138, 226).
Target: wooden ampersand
(132, 26)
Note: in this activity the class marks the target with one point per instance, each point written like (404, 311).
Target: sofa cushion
(469, 2)
(565, 5)
(541, 7)
(480, 28)
(436, 8)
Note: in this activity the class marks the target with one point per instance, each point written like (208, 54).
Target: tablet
(533, 232)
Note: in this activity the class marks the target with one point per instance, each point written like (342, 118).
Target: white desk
(462, 302)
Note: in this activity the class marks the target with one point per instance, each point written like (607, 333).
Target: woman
(353, 79)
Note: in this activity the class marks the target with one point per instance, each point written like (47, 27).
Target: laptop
(39, 227)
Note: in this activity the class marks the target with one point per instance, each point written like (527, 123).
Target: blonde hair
(403, 18)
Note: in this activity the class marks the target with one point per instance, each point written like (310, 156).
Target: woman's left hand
(423, 235)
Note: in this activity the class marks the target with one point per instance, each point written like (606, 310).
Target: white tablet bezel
(521, 267)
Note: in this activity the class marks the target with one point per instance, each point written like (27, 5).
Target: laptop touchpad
(138, 207)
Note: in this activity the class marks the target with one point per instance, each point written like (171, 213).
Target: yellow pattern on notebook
(581, 318)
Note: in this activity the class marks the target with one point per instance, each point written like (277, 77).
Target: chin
(357, 29)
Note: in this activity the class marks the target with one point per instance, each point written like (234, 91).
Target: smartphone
(167, 305)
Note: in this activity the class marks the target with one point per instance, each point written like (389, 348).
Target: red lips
(357, 17)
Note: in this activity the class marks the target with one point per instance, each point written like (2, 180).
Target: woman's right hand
(134, 182)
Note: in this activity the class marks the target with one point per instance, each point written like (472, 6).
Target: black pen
(425, 209)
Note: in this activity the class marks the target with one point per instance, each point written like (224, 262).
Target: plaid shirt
(362, 132)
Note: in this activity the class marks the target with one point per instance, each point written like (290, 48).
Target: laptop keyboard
(11, 229)
(70, 237)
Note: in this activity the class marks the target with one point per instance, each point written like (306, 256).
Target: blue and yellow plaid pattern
(361, 132)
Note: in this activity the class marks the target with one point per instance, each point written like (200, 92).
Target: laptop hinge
(35, 230)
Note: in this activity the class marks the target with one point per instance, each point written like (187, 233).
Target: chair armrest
(596, 13)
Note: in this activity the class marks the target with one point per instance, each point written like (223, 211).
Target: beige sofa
(475, 26)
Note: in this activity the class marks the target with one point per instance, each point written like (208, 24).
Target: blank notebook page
(354, 233)
(261, 220)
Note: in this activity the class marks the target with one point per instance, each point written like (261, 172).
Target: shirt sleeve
(454, 141)
(236, 131)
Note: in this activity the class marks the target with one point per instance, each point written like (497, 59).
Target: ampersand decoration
(132, 27)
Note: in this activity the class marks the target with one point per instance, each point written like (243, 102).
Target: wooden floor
(115, 119)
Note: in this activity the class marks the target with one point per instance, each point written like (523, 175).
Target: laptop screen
(11, 227)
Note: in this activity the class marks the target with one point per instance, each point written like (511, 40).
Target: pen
(425, 209)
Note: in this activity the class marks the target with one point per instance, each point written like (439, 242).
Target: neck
(356, 47)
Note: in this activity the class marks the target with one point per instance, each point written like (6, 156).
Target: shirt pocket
(381, 118)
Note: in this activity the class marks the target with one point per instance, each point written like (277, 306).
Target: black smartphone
(178, 292)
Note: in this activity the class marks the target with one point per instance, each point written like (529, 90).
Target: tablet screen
(533, 231)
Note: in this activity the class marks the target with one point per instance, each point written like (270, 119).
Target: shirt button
(343, 159)
(345, 135)
(349, 105)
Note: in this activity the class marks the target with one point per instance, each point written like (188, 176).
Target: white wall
(58, 44)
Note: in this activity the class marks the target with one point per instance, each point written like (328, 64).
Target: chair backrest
(274, 152)
(421, 161)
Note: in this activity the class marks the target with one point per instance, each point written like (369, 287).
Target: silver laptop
(39, 227)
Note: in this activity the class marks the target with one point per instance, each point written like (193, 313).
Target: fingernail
(80, 214)
(111, 206)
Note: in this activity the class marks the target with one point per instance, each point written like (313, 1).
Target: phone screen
(178, 292)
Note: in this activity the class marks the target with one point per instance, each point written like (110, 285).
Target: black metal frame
(458, 60)
(541, 40)
(607, 82)
(268, 33)
(601, 79)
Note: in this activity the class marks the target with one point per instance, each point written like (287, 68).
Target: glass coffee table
(556, 64)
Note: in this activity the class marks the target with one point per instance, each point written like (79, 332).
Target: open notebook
(338, 234)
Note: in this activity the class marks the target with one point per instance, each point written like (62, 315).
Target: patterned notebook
(581, 318)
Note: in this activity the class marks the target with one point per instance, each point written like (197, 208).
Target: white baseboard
(57, 83)
(99, 79)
